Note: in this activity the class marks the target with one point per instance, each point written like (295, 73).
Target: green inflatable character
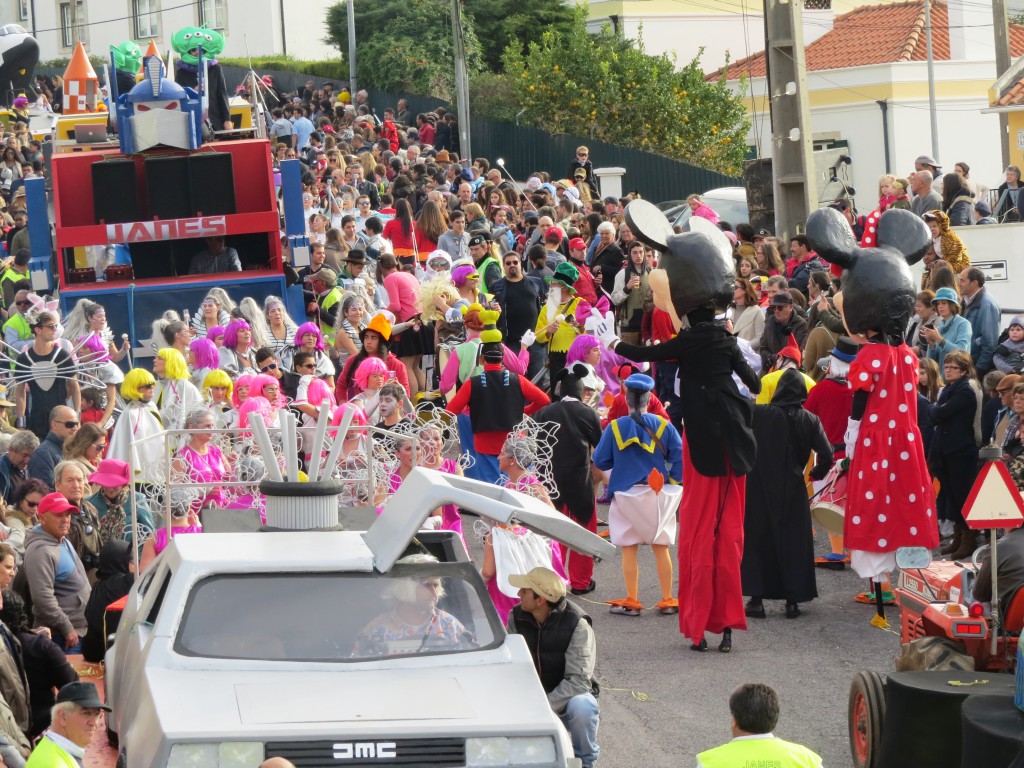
(127, 62)
(186, 43)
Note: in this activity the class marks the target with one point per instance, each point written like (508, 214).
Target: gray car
(238, 647)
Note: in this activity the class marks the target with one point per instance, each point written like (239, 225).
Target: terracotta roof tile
(873, 34)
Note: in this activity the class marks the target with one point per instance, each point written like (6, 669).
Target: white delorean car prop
(238, 647)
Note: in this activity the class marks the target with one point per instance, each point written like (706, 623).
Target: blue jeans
(581, 718)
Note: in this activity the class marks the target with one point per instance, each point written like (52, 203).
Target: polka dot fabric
(890, 502)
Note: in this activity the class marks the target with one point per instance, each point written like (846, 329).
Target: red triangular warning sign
(994, 501)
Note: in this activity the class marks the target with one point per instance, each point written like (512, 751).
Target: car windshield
(733, 211)
(413, 610)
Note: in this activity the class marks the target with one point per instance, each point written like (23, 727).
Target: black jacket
(953, 417)
(776, 335)
(716, 416)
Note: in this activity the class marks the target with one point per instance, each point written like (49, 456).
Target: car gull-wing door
(426, 489)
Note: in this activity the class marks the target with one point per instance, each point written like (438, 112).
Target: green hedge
(333, 69)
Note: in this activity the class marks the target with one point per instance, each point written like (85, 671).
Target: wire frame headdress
(531, 445)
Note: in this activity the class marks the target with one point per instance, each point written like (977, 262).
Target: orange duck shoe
(625, 607)
(668, 607)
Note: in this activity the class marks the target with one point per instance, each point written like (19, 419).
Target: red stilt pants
(579, 567)
(710, 551)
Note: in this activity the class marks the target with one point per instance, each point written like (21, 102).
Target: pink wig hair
(358, 418)
(204, 354)
(580, 348)
(317, 392)
(368, 367)
(256, 404)
(241, 381)
(305, 328)
(259, 385)
(231, 332)
(214, 331)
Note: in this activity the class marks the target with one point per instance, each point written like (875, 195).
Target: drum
(828, 507)
(84, 275)
(120, 272)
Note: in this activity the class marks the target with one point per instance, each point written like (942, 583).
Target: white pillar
(610, 181)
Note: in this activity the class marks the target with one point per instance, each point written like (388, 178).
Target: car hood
(300, 703)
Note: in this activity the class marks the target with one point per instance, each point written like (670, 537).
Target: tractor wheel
(866, 715)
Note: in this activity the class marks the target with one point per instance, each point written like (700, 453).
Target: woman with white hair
(608, 256)
(415, 624)
(214, 310)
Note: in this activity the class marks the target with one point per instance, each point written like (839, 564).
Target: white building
(250, 27)
(867, 84)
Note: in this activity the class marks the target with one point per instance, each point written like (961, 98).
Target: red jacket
(491, 442)
(389, 131)
(618, 408)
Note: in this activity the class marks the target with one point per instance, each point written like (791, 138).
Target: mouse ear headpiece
(830, 235)
(906, 232)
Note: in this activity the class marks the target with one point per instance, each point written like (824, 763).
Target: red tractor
(935, 601)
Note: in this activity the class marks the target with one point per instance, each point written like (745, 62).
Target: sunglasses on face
(146, 386)
(99, 446)
(31, 504)
(306, 365)
(581, 154)
(23, 303)
(70, 424)
(271, 367)
(48, 327)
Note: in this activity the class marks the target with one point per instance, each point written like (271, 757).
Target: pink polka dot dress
(890, 500)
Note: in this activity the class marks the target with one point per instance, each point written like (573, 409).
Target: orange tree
(608, 88)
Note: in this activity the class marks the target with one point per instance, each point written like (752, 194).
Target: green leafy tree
(499, 23)
(578, 83)
(404, 46)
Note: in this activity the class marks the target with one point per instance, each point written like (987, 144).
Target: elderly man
(56, 578)
(64, 423)
(925, 198)
(69, 479)
(984, 315)
(15, 461)
(76, 716)
(564, 650)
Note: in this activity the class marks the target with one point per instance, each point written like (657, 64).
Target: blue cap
(946, 294)
(640, 382)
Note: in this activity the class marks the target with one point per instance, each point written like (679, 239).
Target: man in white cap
(564, 650)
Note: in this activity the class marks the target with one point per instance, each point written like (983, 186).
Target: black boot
(968, 543)
(754, 608)
(726, 645)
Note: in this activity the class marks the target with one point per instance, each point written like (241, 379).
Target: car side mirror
(913, 557)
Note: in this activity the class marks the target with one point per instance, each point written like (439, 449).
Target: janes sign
(168, 229)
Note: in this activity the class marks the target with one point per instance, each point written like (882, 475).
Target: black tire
(866, 713)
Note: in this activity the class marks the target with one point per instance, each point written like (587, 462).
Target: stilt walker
(890, 501)
(695, 279)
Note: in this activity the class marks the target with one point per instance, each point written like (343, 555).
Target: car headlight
(229, 754)
(513, 750)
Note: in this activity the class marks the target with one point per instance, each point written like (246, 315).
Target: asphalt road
(662, 703)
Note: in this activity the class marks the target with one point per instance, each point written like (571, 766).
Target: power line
(120, 18)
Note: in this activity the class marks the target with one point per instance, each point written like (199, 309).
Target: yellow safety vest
(756, 752)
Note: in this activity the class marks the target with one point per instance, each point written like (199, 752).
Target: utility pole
(352, 49)
(1002, 35)
(794, 182)
(461, 80)
(931, 80)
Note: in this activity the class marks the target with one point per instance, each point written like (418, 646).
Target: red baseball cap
(554, 232)
(55, 503)
(577, 244)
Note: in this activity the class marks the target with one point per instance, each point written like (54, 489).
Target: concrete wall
(252, 27)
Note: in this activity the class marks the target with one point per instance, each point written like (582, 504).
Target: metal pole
(352, 49)
(461, 81)
(931, 80)
(995, 591)
(1003, 61)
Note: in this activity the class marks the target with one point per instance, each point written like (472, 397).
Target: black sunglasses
(23, 303)
(146, 386)
(70, 424)
(271, 367)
